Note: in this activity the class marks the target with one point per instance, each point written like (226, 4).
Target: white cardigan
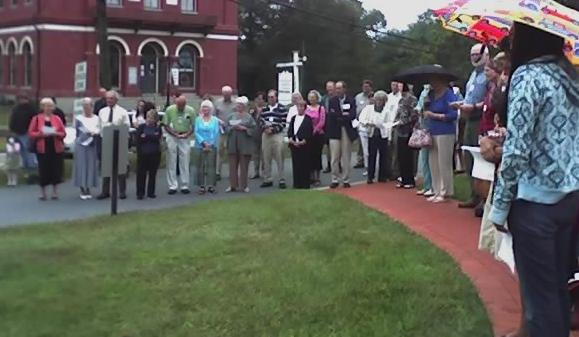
(383, 121)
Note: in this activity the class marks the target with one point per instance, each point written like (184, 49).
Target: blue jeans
(423, 158)
(28, 159)
(542, 241)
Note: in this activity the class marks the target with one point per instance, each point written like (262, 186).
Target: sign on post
(108, 148)
(80, 76)
(285, 87)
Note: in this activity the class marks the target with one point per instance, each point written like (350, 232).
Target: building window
(12, 64)
(189, 6)
(152, 4)
(115, 3)
(27, 54)
(188, 67)
(116, 56)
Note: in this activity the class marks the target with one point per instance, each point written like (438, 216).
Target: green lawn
(289, 264)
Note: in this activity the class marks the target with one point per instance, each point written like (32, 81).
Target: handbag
(420, 138)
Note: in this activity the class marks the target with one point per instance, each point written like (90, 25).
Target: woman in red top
(493, 72)
(47, 133)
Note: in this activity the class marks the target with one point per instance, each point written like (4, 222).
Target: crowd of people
(521, 107)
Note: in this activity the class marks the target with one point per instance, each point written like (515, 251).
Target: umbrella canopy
(490, 21)
(423, 74)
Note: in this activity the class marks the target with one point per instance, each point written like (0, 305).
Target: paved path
(21, 205)
(456, 231)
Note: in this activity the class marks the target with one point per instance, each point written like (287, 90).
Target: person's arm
(522, 108)
(279, 127)
(126, 120)
(33, 131)
(309, 133)
(199, 139)
(251, 126)
(321, 121)
(216, 133)
(353, 110)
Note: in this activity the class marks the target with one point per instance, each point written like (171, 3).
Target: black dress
(301, 155)
(50, 163)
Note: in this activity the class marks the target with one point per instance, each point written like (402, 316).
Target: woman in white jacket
(378, 123)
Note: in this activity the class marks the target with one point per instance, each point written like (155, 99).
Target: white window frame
(190, 4)
(154, 5)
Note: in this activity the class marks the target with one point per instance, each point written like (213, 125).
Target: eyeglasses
(270, 96)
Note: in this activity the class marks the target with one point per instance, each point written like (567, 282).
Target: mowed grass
(290, 264)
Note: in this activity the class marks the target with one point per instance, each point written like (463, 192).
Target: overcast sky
(403, 12)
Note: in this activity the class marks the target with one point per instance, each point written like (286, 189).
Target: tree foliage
(342, 42)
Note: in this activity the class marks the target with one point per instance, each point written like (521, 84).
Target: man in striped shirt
(272, 124)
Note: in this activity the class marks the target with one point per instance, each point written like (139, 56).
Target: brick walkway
(456, 231)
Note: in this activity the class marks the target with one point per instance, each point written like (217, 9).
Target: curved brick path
(456, 231)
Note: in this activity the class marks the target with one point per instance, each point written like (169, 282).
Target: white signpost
(80, 77)
(283, 76)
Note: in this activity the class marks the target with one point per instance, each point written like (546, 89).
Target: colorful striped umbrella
(490, 21)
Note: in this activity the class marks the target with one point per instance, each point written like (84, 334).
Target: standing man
(101, 102)
(20, 119)
(113, 114)
(224, 107)
(392, 109)
(341, 113)
(325, 102)
(272, 123)
(178, 121)
(363, 100)
(476, 90)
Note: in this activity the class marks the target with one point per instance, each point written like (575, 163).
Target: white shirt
(91, 124)
(382, 121)
(293, 111)
(297, 124)
(120, 116)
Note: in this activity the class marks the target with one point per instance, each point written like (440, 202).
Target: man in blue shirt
(476, 90)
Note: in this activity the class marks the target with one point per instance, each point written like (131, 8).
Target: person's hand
(456, 105)
(501, 228)
(240, 127)
(268, 131)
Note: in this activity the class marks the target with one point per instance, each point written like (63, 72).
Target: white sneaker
(439, 200)
(428, 193)
(88, 196)
(246, 190)
(83, 197)
(229, 190)
(432, 198)
(365, 174)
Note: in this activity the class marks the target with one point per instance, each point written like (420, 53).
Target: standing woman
(317, 113)
(406, 117)
(537, 189)
(240, 127)
(255, 111)
(207, 132)
(300, 133)
(47, 133)
(88, 127)
(441, 121)
(148, 155)
(376, 120)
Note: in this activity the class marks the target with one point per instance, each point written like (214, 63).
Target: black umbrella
(423, 74)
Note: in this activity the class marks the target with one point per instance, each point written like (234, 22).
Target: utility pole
(102, 38)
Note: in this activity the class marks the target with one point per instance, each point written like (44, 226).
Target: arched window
(116, 57)
(12, 64)
(188, 67)
(27, 57)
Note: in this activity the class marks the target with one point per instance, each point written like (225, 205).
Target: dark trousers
(301, 167)
(147, 166)
(542, 238)
(106, 190)
(378, 146)
(470, 138)
(405, 161)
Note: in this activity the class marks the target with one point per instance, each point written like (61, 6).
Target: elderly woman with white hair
(240, 145)
(88, 126)
(207, 134)
(47, 133)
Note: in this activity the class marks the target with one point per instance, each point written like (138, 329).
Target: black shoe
(122, 196)
(359, 166)
(185, 191)
(140, 197)
(370, 182)
(172, 192)
(151, 196)
(266, 184)
(327, 170)
(103, 196)
(282, 185)
(334, 185)
(347, 185)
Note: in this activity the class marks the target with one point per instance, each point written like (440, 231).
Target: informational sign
(107, 150)
(175, 76)
(133, 78)
(80, 76)
(285, 87)
(77, 107)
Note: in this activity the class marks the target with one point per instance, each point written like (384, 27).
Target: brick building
(151, 41)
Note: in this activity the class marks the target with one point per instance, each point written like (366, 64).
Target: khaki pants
(178, 148)
(272, 146)
(341, 152)
(440, 161)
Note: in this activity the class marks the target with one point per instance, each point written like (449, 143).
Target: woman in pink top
(318, 115)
